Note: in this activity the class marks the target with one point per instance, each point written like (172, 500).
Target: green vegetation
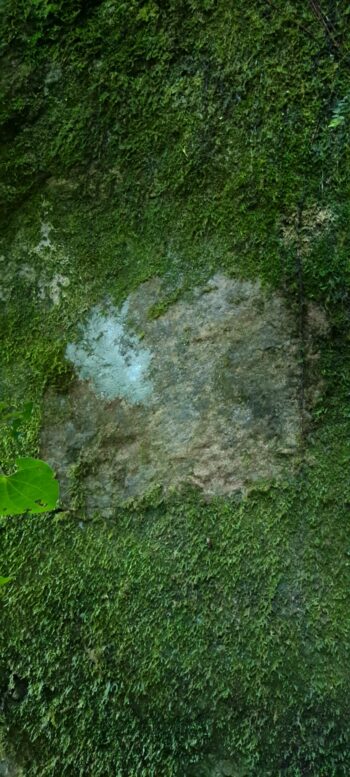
(144, 646)
(178, 140)
(31, 489)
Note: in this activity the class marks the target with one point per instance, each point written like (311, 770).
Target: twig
(302, 319)
(318, 13)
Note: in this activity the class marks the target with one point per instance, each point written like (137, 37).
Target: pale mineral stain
(111, 357)
(45, 243)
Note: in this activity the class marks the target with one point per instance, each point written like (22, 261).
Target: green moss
(159, 308)
(187, 627)
(176, 142)
(187, 145)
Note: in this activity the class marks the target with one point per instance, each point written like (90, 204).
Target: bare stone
(207, 394)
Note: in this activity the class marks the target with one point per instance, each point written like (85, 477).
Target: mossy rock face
(209, 396)
(188, 160)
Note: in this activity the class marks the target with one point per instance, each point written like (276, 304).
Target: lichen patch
(111, 357)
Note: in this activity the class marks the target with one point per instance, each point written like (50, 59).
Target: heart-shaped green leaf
(32, 489)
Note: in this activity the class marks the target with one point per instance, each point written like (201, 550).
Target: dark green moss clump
(175, 139)
(192, 130)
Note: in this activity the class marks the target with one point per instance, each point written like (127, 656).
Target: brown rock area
(222, 408)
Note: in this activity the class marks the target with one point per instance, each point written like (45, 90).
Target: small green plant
(31, 489)
(340, 113)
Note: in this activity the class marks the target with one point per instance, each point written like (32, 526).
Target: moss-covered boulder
(148, 151)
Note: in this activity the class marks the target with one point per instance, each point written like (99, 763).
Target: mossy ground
(176, 141)
(184, 628)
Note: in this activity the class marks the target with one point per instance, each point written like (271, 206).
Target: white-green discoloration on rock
(214, 766)
(9, 769)
(36, 261)
(111, 357)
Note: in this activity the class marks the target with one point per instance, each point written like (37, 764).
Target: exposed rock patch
(37, 264)
(205, 394)
(213, 766)
(9, 769)
(316, 222)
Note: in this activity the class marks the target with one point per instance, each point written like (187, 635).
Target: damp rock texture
(213, 766)
(9, 769)
(204, 392)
